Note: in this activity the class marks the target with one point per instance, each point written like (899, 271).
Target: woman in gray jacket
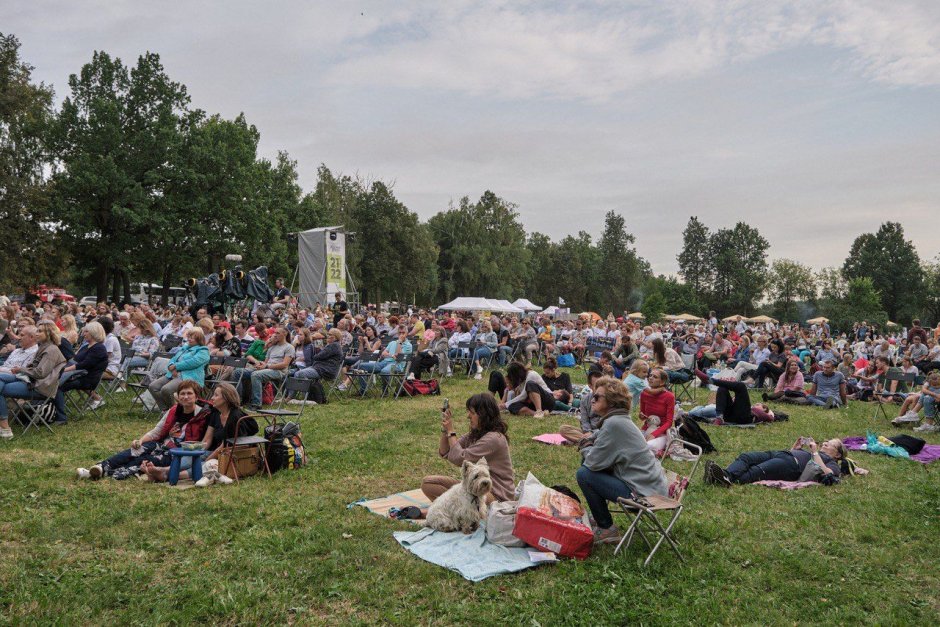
(40, 379)
(617, 461)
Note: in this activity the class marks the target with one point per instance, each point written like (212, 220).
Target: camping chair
(334, 385)
(591, 350)
(213, 380)
(248, 441)
(464, 357)
(649, 513)
(684, 391)
(486, 364)
(394, 383)
(78, 400)
(170, 342)
(35, 412)
(884, 397)
(291, 386)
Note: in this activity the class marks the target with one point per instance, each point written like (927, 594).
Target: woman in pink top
(789, 384)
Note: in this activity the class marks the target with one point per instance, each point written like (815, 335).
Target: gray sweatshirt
(620, 449)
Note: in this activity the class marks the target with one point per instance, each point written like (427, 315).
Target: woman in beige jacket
(40, 379)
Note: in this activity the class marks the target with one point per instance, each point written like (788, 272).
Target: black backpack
(690, 431)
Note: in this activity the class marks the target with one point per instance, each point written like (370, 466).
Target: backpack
(566, 360)
(417, 387)
(285, 447)
(267, 394)
(692, 432)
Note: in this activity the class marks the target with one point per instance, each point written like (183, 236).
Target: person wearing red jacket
(657, 408)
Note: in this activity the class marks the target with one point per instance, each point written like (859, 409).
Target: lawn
(287, 550)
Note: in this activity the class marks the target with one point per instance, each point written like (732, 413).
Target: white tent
(550, 311)
(505, 306)
(526, 305)
(473, 303)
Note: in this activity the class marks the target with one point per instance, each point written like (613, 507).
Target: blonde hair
(639, 364)
(196, 335)
(336, 334)
(206, 325)
(51, 331)
(615, 393)
(95, 331)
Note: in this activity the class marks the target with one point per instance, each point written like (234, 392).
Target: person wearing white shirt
(20, 358)
(758, 356)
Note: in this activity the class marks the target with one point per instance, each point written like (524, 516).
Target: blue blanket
(470, 555)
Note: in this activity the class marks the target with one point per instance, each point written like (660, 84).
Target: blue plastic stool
(178, 454)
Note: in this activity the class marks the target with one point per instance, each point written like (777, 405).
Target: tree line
(126, 180)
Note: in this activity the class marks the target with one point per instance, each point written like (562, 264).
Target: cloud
(597, 51)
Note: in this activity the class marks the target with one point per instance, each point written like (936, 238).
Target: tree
(25, 113)
(695, 258)
(931, 302)
(482, 249)
(739, 259)
(654, 306)
(618, 272)
(678, 297)
(114, 140)
(542, 285)
(576, 262)
(861, 302)
(892, 263)
(788, 282)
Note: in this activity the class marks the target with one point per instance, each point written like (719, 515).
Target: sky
(812, 121)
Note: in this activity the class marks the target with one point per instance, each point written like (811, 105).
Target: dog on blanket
(464, 505)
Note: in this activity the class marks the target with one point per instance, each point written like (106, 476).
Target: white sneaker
(224, 479)
(96, 404)
(478, 376)
(82, 473)
(539, 414)
(297, 401)
(410, 377)
(479, 368)
(927, 428)
(909, 417)
(95, 472)
(6, 434)
(204, 482)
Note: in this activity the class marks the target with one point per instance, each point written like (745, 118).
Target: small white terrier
(464, 505)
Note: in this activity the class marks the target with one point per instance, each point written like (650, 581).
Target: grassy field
(276, 551)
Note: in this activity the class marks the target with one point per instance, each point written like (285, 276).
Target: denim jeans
(820, 401)
(704, 412)
(11, 387)
(598, 489)
(482, 354)
(764, 465)
(259, 378)
(505, 352)
(930, 406)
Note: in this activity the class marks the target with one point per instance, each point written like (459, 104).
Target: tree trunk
(126, 283)
(115, 285)
(165, 293)
(101, 282)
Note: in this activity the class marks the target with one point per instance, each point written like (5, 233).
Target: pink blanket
(930, 452)
(786, 485)
(555, 439)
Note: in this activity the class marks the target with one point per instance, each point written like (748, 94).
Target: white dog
(464, 505)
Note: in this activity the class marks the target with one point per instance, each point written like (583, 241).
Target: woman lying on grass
(805, 461)
(486, 438)
(186, 421)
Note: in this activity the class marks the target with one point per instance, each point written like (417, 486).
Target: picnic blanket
(930, 452)
(786, 485)
(471, 555)
(556, 439)
(397, 500)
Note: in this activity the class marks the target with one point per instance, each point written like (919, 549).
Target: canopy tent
(473, 303)
(761, 319)
(526, 305)
(734, 318)
(819, 320)
(636, 315)
(550, 311)
(504, 306)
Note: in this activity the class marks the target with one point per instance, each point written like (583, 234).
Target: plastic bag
(876, 446)
(499, 523)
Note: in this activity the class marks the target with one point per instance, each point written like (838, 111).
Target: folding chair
(650, 512)
(590, 354)
(464, 357)
(170, 342)
(250, 441)
(292, 385)
(882, 398)
(684, 391)
(486, 364)
(334, 384)
(396, 378)
(214, 380)
(36, 412)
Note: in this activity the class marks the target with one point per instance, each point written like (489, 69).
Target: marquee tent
(526, 305)
(474, 303)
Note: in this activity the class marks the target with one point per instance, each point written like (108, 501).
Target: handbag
(500, 522)
(247, 460)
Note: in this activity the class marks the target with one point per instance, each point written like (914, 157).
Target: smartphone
(446, 405)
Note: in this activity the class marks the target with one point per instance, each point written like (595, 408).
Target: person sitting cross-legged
(828, 388)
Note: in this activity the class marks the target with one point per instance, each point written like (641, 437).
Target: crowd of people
(626, 412)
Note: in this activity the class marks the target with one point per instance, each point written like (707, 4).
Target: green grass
(274, 551)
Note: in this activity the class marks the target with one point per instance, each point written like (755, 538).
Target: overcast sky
(813, 121)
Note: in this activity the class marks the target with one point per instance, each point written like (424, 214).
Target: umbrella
(689, 317)
(761, 319)
(589, 314)
(636, 315)
(818, 320)
(733, 318)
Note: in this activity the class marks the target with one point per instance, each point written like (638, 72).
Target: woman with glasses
(805, 461)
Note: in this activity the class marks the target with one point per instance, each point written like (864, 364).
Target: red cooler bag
(545, 533)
